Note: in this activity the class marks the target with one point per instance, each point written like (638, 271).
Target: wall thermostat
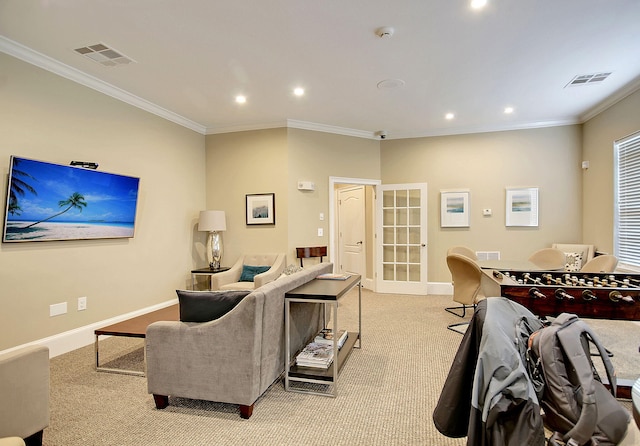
(306, 185)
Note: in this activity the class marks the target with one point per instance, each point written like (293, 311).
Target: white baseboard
(82, 336)
(440, 288)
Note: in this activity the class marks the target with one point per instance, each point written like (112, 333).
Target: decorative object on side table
(214, 222)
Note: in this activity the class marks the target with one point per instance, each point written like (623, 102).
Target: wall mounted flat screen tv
(47, 201)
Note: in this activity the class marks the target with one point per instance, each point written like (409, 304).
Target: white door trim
(333, 181)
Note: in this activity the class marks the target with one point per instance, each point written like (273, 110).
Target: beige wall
(600, 133)
(46, 117)
(485, 164)
(274, 161)
(244, 163)
(316, 156)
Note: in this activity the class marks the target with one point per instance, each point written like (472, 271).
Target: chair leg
(34, 440)
(246, 411)
(462, 307)
(452, 326)
(162, 401)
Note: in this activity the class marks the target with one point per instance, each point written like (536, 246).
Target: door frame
(368, 282)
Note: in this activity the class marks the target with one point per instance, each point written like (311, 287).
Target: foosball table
(549, 293)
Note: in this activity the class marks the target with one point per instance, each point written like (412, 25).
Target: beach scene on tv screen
(56, 202)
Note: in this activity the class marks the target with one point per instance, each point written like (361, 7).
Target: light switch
(486, 212)
(321, 215)
(320, 232)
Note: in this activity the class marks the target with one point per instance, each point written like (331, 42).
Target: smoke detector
(385, 32)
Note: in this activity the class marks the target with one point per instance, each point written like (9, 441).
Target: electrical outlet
(57, 309)
(82, 303)
(320, 232)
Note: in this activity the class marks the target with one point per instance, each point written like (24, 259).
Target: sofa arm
(24, 386)
(273, 273)
(215, 361)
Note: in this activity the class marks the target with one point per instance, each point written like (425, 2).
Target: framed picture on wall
(454, 209)
(261, 209)
(522, 206)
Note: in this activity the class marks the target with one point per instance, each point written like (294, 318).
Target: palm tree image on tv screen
(49, 201)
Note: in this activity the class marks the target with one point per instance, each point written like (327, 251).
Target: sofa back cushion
(204, 306)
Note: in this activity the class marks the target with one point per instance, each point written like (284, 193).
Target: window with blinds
(627, 200)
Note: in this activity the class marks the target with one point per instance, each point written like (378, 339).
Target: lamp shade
(212, 221)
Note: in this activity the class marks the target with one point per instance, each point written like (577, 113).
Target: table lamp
(213, 222)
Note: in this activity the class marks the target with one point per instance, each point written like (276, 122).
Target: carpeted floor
(386, 392)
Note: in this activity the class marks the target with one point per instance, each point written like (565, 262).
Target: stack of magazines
(316, 355)
(326, 337)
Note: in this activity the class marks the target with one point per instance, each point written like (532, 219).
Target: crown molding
(47, 63)
(293, 124)
(304, 125)
(484, 129)
(245, 127)
(619, 95)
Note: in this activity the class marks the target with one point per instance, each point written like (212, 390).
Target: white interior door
(401, 227)
(351, 230)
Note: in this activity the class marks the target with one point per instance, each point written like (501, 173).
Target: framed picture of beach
(47, 201)
(522, 206)
(454, 209)
(261, 209)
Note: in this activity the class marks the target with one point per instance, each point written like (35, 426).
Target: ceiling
(192, 57)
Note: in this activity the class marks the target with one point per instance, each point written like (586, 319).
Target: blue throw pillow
(204, 306)
(249, 272)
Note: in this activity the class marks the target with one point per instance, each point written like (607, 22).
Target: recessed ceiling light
(298, 91)
(478, 4)
(240, 99)
(449, 116)
(508, 110)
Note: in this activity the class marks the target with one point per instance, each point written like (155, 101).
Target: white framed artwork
(522, 206)
(454, 209)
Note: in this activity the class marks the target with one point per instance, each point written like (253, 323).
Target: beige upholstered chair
(467, 252)
(24, 388)
(466, 276)
(601, 264)
(549, 259)
(577, 255)
(230, 280)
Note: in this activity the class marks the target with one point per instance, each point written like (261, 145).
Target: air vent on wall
(585, 79)
(488, 255)
(104, 55)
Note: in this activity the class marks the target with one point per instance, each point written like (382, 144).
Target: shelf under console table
(328, 293)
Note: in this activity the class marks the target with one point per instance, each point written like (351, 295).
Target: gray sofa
(233, 359)
(24, 388)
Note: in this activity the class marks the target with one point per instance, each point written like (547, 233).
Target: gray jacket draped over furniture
(488, 395)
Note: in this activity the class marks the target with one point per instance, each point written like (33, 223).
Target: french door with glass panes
(402, 238)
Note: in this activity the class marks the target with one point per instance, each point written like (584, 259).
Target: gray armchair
(24, 387)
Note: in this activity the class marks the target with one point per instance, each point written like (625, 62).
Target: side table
(326, 292)
(205, 272)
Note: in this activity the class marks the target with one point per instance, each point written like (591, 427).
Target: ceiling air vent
(585, 79)
(104, 55)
